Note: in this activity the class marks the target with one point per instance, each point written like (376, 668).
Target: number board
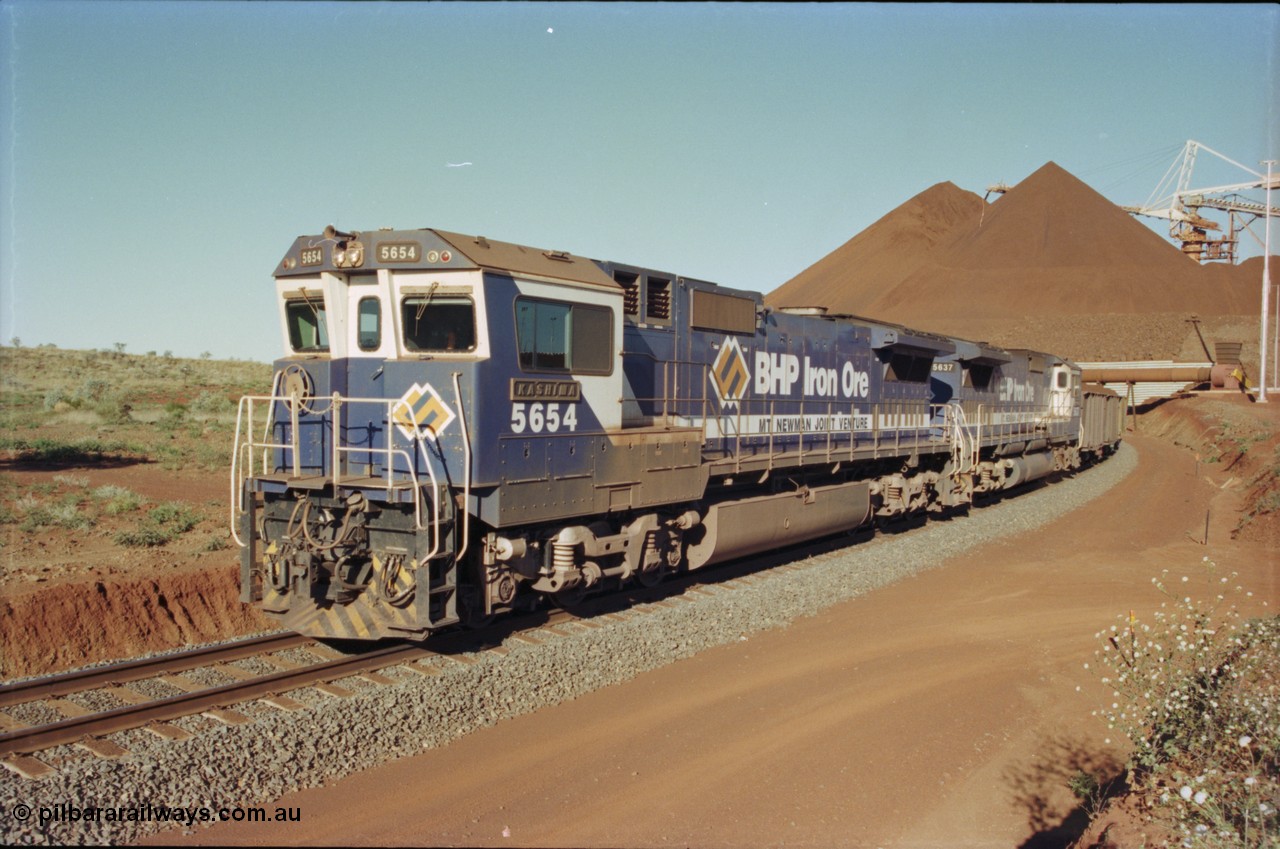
(311, 256)
(399, 252)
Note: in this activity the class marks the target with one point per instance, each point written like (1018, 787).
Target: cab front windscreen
(439, 323)
(308, 327)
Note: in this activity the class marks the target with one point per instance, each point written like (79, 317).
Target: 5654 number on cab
(543, 417)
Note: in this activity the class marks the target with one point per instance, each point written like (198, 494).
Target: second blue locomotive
(461, 427)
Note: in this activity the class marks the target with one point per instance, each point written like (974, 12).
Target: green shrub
(114, 410)
(175, 515)
(54, 397)
(57, 515)
(211, 403)
(215, 543)
(163, 524)
(79, 481)
(174, 414)
(118, 499)
(68, 515)
(147, 536)
(171, 457)
(93, 389)
(213, 455)
(1197, 693)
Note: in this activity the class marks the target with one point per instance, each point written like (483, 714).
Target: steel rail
(29, 740)
(26, 741)
(133, 670)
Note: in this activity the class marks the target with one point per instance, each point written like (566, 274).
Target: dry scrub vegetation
(63, 406)
(80, 425)
(1196, 693)
(1195, 684)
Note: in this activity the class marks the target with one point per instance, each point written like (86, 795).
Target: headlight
(352, 256)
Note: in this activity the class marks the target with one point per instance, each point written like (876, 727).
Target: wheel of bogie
(470, 611)
(652, 577)
(570, 597)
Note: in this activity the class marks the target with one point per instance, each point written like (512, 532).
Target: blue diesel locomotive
(463, 427)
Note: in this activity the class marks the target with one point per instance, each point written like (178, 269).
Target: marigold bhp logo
(421, 408)
(729, 373)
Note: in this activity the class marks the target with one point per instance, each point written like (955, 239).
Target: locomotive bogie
(462, 427)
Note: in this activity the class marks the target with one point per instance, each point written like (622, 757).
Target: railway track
(90, 728)
(51, 686)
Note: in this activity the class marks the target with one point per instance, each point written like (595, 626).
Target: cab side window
(563, 337)
(369, 324)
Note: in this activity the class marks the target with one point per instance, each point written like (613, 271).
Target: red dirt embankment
(74, 597)
(74, 624)
(1239, 441)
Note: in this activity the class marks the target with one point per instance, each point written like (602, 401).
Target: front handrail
(435, 501)
(466, 467)
(252, 456)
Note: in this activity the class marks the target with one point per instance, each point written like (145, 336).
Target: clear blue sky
(159, 157)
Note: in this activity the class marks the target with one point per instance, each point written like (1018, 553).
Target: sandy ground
(948, 710)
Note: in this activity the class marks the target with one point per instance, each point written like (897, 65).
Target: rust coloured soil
(72, 598)
(79, 622)
(947, 710)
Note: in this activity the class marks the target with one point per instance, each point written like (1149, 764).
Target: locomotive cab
(357, 478)
(1064, 385)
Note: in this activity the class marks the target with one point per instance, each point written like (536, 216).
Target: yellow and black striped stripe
(360, 619)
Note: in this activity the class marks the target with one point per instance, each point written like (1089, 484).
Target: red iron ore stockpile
(1051, 264)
